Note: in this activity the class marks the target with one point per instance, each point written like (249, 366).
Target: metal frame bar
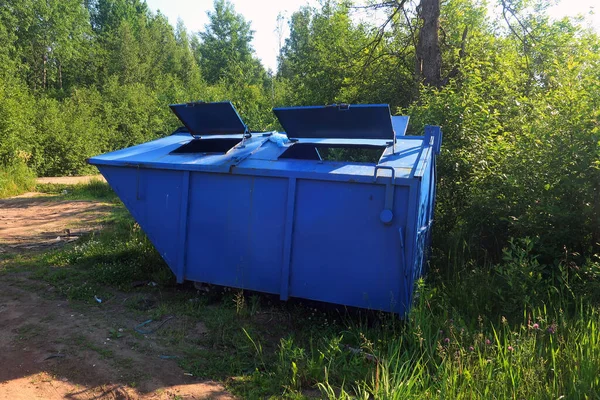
(287, 240)
(183, 220)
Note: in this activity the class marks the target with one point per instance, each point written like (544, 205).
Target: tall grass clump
(16, 178)
(546, 354)
(517, 328)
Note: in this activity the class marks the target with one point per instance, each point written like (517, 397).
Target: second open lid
(361, 121)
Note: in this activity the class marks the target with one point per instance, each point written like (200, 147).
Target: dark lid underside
(209, 118)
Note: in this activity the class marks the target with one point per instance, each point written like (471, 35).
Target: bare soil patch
(37, 222)
(51, 348)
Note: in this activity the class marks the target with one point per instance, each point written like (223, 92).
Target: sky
(263, 17)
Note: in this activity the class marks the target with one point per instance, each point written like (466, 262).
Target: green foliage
(520, 147)
(318, 61)
(15, 179)
(225, 49)
(49, 39)
(85, 78)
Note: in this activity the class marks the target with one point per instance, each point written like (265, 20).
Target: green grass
(28, 331)
(15, 179)
(94, 190)
(518, 330)
(113, 258)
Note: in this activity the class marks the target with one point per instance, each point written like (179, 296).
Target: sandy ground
(70, 180)
(51, 348)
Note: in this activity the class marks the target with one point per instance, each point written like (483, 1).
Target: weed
(257, 348)
(115, 333)
(240, 302)
(29, 331)
(15, 179)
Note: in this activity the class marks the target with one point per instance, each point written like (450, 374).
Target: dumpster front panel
(342, 252)
(235, 231)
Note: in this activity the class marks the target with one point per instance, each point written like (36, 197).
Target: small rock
(201, 329)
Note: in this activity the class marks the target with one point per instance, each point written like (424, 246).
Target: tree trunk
(59, 75)
(428, 67)
(44, 72)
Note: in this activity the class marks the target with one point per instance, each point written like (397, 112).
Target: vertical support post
(416, 164)
(287, 240)
(183, 220)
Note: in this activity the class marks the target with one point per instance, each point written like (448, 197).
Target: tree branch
(461, 54)
(523, 39)
(385, 4)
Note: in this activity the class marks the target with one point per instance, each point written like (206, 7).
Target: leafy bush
(15, 179)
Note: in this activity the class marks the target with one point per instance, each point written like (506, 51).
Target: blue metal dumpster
(265, 212)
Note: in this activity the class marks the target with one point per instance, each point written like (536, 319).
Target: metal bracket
(386, 216)
(238, 159)
(244, 137)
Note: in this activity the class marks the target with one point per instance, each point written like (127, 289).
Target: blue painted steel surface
(400, 123)
(209, 118)
(348, 233)
(372, 121)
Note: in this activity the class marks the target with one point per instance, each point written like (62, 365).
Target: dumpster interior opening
(345, 152)
(207, 146)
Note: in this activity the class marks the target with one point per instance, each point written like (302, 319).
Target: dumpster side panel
(425, 217)
(422, 226)
(235, 230)
(153, 197)
(342, 252)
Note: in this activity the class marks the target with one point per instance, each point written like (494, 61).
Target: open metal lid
(400, 123)
(361, 121)
(209, 118)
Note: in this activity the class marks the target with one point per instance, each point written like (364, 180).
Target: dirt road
(34, 222)
(51, 348)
